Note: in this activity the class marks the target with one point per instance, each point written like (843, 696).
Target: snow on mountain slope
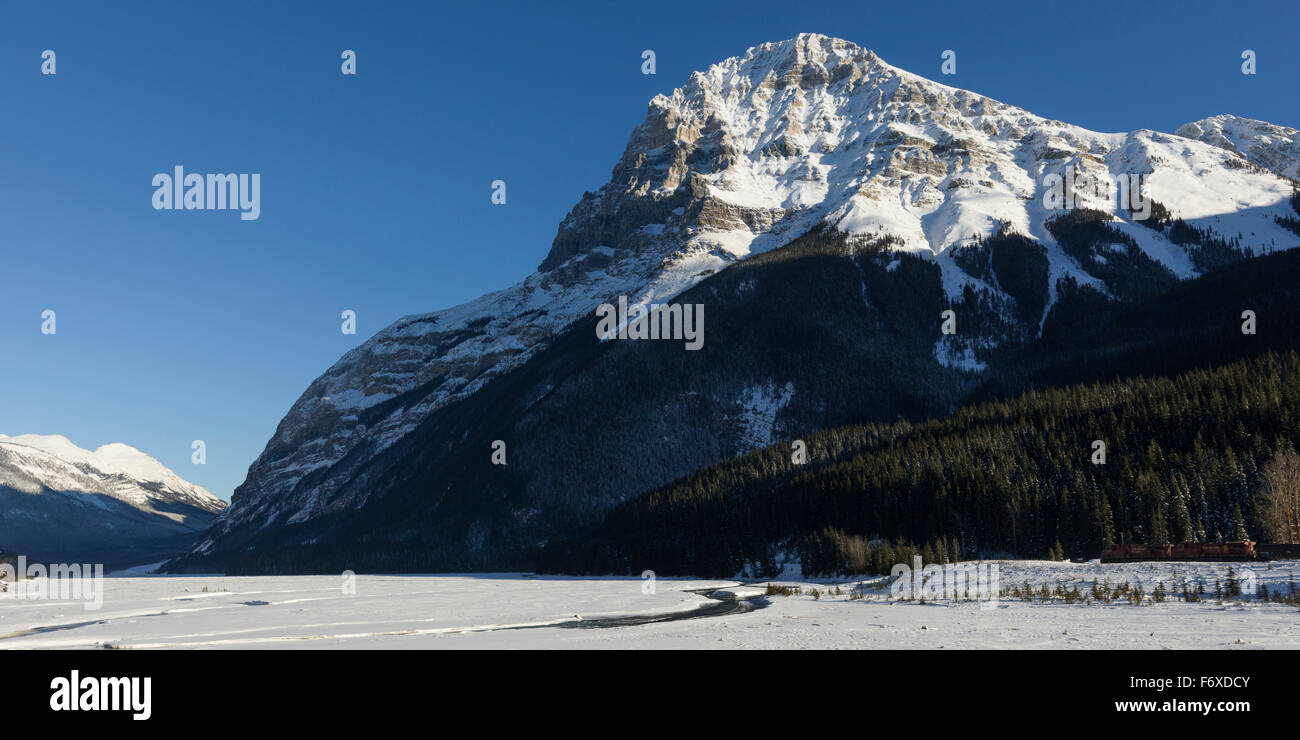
(743, 158)
(35, 463)
(1275, 148)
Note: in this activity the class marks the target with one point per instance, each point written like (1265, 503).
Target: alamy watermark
(198, 192)
(678, 321)
(56, 581)
(1127, 192)
(77, 693)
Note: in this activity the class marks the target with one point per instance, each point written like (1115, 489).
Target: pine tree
(1238, 525)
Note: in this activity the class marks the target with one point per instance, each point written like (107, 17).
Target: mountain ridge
(748, 156)
(115, 504)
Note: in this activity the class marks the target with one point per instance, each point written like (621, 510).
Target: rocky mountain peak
(746, 156)
(1268, 145)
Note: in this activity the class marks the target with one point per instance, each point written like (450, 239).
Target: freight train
(1183, 551)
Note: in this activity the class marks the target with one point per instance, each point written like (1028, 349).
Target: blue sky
(175, 326)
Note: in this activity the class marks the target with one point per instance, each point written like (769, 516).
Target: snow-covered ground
(519, 611)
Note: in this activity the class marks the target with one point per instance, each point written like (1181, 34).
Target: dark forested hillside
(1185, 436)
(1015, 477)
(1196, 323)
(826, 332)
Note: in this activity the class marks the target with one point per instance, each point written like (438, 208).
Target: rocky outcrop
(1275, 148)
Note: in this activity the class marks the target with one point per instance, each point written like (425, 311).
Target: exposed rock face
(115, 505)
(1275, 148)
(747, 156)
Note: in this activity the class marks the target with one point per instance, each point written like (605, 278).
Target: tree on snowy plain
(1280, 498)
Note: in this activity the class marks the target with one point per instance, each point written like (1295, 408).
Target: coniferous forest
(1189, 408)
(1166, 379)
(1018, 477)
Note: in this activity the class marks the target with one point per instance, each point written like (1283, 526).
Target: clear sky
(174, 326)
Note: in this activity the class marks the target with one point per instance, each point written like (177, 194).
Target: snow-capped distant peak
(127, 460)
(122, 471)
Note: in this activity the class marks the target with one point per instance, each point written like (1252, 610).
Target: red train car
(1183, 551)
(1228, 551)
(1117, 553)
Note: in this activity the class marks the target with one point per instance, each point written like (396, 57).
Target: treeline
(1109, 254)
(1205, 248)
(1016, 477)
(1287, 222)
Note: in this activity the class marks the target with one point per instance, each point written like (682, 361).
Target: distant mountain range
(115, 505)
(826, 208)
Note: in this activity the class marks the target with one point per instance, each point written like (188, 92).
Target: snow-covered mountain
(808, 135)
(115, 504)
(1273, 147)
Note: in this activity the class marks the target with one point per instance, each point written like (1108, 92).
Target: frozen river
(520, 611)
